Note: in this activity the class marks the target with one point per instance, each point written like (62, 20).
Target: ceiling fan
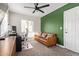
(38, 8)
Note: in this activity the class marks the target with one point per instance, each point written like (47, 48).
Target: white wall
(3, 9)
(15, 19)
(3, 6)
(4, 25)
(0, 29)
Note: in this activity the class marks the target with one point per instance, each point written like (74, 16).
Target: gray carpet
(41, 50)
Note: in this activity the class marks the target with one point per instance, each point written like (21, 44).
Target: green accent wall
(54, 20)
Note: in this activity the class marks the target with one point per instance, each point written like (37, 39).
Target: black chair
(18, 43)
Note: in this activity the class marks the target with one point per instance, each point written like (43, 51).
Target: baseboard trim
(60, 45)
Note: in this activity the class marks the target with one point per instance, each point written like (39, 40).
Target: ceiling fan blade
(29, 7)
(34, 11)
(41, 11)
(44, 6)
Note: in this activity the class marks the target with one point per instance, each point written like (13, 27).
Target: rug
(27, 46)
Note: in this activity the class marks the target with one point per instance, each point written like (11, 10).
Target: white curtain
(26, 24)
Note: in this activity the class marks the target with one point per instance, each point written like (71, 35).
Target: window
(26, 24)
(23, 26)
(30, 26)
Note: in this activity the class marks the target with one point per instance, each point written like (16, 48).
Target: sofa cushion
(50, 34)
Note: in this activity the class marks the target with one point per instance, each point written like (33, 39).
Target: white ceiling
(19, 8)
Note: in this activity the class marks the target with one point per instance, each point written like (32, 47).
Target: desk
(8, 46)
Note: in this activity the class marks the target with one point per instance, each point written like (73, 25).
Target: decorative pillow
(44, 35)
(39, 33)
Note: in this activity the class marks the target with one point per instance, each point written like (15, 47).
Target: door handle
(66, 32)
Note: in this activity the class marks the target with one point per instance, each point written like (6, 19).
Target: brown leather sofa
(48, 39)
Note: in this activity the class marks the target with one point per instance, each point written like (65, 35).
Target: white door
(68, 20)
(77, 30)
(71, 29)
